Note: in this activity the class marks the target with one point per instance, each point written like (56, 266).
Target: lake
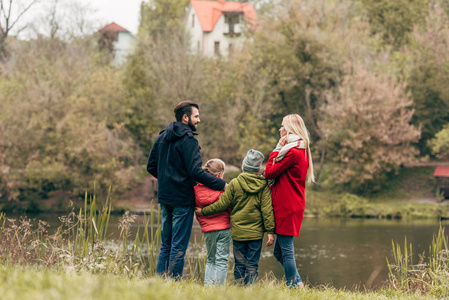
(347, 253)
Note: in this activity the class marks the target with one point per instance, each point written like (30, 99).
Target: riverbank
(33, 283)
(408, 194)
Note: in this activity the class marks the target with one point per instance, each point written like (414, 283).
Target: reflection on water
(346, 252)
(341, 252)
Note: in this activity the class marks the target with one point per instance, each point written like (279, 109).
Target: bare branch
(2, 9)
(7, 17)
(22, 12)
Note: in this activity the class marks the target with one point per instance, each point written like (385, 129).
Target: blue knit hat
(252, 162)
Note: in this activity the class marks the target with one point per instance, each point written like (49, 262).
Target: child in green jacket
(249, 197)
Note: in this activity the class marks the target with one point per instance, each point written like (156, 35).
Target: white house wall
(218, 35)
(123, 47)
(195, 31)
(204, 42)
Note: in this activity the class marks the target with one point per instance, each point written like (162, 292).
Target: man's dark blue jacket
(175, 161)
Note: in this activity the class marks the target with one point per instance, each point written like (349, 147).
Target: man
(175, 161)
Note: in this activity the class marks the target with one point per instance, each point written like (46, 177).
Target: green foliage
(440, 143)
(239, 107)
(394, 20)
(430, 99)
(427, 77)
(161, 16)
(294, 48)
(138, 114)
(352, 205)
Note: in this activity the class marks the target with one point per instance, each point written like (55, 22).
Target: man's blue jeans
(175, 235)
(217, 243)
(246, 257)
(284, 252)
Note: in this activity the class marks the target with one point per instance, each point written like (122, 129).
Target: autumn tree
(59, 128)
(238, 106)
(303, 48)
(394, 20)
(158, 75)
(367, 127)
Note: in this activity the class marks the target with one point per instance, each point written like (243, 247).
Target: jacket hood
(251, 183)
(176, 130)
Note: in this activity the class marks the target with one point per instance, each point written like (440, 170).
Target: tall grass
(83, 242)
(429, 276)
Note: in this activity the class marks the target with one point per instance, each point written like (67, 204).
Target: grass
(408, 194)
(327, 204)
(35, 283)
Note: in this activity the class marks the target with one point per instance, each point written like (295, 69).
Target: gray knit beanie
(252, 162)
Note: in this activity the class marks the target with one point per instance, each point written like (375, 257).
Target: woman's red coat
(288, 192)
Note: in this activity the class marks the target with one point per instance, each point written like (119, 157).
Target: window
(193, 20)
(232, 19)
(199, 47)
(217, 48)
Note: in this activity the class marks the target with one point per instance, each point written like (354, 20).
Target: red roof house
(209, 12)
(118, 41)
(441, 172)
(113, 27)
(216, 27)
(442, 176)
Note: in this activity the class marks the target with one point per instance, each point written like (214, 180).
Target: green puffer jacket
(252, 212)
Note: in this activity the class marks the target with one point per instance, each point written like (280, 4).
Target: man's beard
(190, 124)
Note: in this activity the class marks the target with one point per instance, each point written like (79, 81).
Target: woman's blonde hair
(215, 166)
(295, 124)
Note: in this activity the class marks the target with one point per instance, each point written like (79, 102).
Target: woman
(290, 164)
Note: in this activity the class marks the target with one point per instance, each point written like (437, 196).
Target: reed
(83, 242)
(429, 276)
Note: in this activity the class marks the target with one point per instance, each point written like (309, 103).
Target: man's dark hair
(184, 108)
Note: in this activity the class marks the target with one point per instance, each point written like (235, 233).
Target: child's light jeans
(217, 245)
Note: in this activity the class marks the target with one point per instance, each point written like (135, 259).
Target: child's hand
(270, 239)
(198, 212)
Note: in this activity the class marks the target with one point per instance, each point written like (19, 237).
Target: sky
(123, 12)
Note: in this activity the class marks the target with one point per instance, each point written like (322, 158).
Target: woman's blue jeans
(217, 244)
(246, 257)
(175, 236)
(284, 252)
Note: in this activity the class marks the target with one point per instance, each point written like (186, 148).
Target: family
(259, 200)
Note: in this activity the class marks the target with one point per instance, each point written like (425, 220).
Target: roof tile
(209, 12)
(441, 172)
